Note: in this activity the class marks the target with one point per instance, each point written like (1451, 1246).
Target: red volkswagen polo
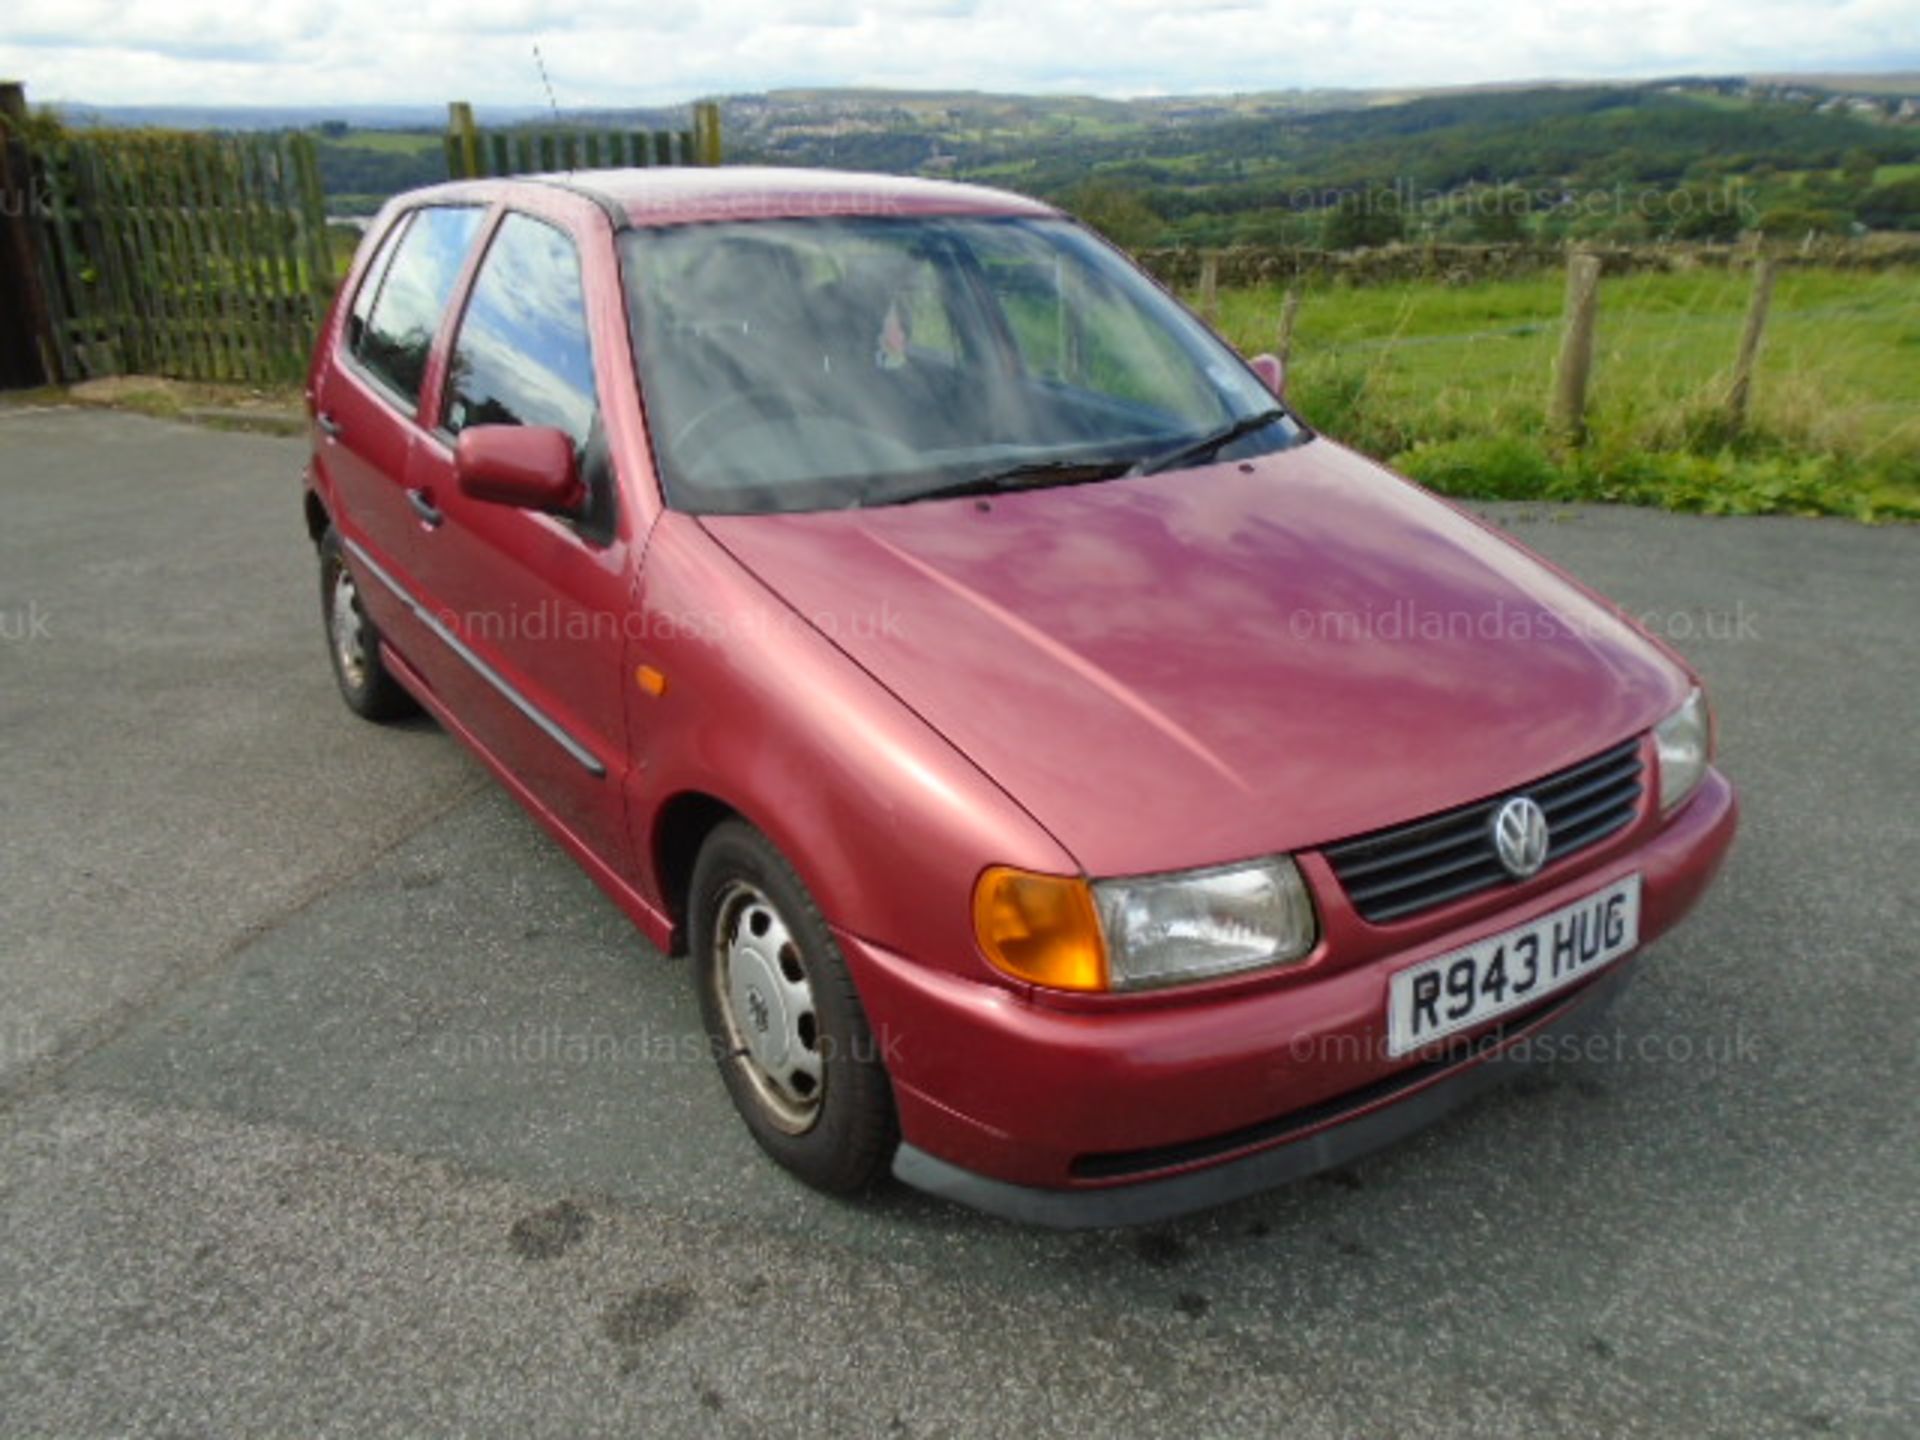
(1080, 788)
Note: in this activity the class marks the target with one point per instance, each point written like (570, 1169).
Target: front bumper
(1321, 1139)
(1069, 1115)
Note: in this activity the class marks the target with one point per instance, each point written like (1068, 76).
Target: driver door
(540, 603)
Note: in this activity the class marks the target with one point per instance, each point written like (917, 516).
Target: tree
(1894, 206)
(1362, 218)
(1821, 189)
(1623, 227)
(41, 126)
(1273, 227)
(1117, 213)
(1701, 213)
(1857, 167)
(1498, 217)
(1790, 222)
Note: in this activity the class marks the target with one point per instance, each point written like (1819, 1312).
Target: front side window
(398, 335)
(820, 363)
(522, 356)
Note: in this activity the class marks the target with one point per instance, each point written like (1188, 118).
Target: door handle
(424, 507)
(329, 426)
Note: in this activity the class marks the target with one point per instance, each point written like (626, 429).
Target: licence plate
(1463, 988)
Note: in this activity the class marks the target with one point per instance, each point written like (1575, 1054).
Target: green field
(1450, 384)
(393, 142)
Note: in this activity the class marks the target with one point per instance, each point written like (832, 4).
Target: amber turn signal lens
(1040, 928)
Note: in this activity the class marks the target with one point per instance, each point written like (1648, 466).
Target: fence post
(230, 356)
(463, 142)
(1289, 312)
(313, 219)
(30, 356)
(78, 312)
(706, 133)
(105, 221)
(1741, 388)
(1568, 415)
(1210, 288)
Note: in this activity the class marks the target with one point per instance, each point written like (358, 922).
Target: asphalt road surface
(335, 1100)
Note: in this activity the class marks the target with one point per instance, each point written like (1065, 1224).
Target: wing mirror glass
(1272, 373)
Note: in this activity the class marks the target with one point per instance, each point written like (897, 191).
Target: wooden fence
(1573, 362)
(205, 256)
(201, 257)
(473, 152)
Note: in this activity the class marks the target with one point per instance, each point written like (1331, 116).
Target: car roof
(679, 195)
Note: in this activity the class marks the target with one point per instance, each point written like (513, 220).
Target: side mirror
(530, 467)
(1272, 372)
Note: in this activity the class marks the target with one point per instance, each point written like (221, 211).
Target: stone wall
(1260, 265)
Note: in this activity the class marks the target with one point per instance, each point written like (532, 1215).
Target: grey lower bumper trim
(1143, 1202)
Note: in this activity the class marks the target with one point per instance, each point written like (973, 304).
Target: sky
(641, 52)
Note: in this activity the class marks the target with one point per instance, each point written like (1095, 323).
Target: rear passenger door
(540, 601)
(368, 413)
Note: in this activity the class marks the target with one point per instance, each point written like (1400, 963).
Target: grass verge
(1449, 384)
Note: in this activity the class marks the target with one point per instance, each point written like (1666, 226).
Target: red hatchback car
(1079, 787)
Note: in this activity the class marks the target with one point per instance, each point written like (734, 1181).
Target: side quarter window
(522, 356)
(398, 334)
(370, 284)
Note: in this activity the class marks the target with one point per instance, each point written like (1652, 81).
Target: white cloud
(602, 53)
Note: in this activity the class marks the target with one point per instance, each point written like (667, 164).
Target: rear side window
(370, 285)
(398, 333)
(522, 356)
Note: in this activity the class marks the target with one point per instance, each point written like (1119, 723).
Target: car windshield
(823, 363)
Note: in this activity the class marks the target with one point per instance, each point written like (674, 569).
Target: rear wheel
(353, 644)
(787, 1028)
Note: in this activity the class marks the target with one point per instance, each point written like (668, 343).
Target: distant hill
(942, 111)
(1266, 167)
(262, 117)
(1892, 82)
(1262, 168)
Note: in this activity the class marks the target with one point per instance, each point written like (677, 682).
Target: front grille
(1392, 874)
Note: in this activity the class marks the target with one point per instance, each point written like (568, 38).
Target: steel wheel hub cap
(767, 999)
(348, 630)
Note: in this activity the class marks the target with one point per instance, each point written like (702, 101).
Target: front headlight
(1163, 929)
(1682, 741)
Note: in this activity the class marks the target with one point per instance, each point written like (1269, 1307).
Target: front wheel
(786, 1026)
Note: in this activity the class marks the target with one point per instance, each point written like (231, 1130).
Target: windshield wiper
(1189, 450)
(1033, 475)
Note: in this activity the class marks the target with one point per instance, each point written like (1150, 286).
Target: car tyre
(785, 1023)
(353, 645)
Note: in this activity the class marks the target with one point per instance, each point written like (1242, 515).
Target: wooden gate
(200, 257)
